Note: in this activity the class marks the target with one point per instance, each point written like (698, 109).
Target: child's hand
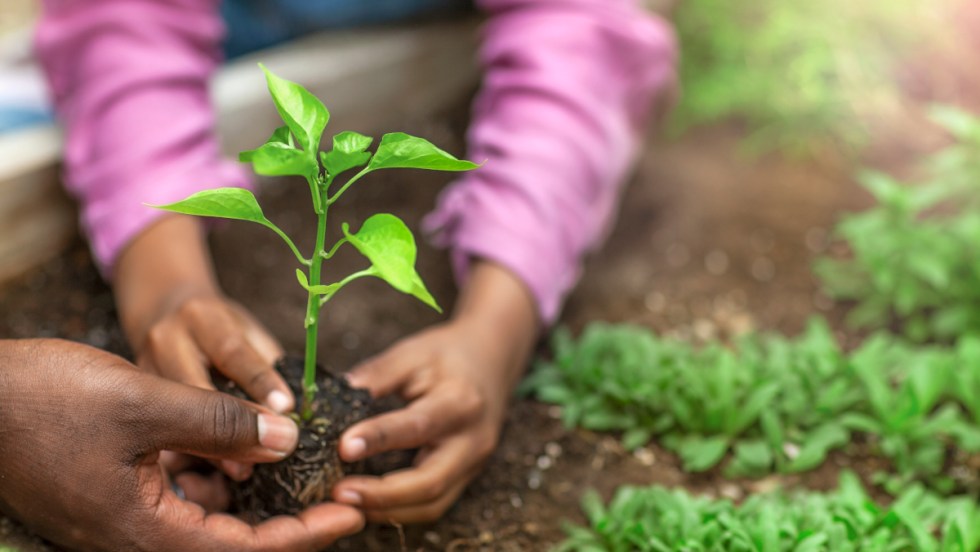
(180, 324)
(458, 378)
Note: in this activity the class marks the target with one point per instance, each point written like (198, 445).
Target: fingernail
(277, 433)
(354, 448)
(279, 401)
(349, 497)
(352, 379)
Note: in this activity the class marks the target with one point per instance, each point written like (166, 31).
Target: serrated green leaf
(303, 113)
(400, 150)
(390, 246)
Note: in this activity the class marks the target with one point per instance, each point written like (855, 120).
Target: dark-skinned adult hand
(458, 378)
(80, 434)
(180, 324)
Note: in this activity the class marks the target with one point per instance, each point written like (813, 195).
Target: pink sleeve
(130, 84)
(568, 89)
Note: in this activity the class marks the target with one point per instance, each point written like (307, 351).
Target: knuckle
(470, 400)
(157, 337)
(195, 307)
(229, 421)
(417, 424)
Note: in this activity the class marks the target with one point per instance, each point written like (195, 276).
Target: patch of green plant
(294, 150)
(657, 519)
(797, 73)
(915, 256)
(768, 403)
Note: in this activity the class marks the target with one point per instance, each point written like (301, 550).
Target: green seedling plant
(914, 255)
(771, 404)
(656, 519)
(294, 150)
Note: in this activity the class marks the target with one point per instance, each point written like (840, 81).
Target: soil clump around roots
(307, 476)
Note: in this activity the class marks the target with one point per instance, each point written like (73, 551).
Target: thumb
(212, 424)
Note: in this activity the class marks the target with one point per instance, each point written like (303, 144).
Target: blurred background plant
(799, 75)
(914, 257)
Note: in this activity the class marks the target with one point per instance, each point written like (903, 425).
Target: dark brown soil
(307, 477)
(708, 244)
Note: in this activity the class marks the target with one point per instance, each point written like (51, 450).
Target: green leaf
(400, 150)
(816, 445)
(281, 135)
(701, 453)
(228, 203)
(279, 159)
(303, 113)
(348, 152)
(318, 289)
(389, 245)
(635, 438)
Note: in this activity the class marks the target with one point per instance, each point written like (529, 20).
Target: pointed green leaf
(399, 150)
(337, 162)
(389, 245)
(347, 153)
(303, 113)
(228, 203)
(280, 136)
(351, 142)
(279, 159)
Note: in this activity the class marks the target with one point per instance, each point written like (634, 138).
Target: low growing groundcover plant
(915, 256)
(328, 406)
(770, 403)
(656, 519)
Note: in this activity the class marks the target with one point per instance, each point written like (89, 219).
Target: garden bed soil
(708, 244)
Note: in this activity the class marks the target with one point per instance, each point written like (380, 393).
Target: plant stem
(313, 304)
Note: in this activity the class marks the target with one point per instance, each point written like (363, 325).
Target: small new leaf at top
(303, 113)
(349, 151)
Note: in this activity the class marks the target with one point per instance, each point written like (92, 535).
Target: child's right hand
(180, 324)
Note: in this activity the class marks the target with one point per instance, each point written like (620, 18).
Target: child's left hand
(458, 378)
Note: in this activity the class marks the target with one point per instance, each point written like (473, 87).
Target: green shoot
(293, 150)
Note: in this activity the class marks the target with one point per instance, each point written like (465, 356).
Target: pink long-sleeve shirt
(567, 92)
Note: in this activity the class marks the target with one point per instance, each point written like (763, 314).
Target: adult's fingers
(172, 416)
(181, 525)
(222, 338)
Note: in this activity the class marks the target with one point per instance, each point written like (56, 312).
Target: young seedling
(293, 150)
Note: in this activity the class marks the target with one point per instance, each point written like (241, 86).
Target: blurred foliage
(915, 255)
(798, 74)
(657, 519)
(770, 403)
